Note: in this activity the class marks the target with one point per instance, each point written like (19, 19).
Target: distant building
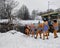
(51, 16)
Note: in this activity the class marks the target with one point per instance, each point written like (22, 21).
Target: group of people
(41, 29)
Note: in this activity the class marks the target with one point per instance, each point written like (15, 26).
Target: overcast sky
(41, 5)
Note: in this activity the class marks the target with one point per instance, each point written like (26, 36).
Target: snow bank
(14, 32)
(24, 22)
(19, 40)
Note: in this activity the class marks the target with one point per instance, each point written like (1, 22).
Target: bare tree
(6, 8)
(2, 8)
(10, 5)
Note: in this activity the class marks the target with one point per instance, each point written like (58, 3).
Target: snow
(4, 20)
(19, 40)
(24, 22)
(38, 18)
(20, 22)
(29, 21)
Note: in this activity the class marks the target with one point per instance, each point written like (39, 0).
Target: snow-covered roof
(4, 20)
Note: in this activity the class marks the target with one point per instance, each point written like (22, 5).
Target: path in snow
(19, 40)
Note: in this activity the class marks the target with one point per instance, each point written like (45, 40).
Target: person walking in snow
(39, 29)
(45, 29)
(55, 26)
(32, 29)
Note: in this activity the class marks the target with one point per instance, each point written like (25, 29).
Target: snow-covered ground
(19, 40)
(4, 20)
(24, 22)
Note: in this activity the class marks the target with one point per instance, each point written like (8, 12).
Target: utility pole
(48, 9)
(48, 5)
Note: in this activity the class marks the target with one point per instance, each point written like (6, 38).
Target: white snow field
(19, 40)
